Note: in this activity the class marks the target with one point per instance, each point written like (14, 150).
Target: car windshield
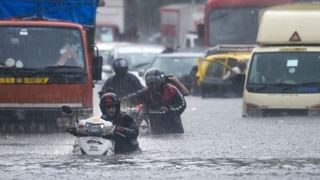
(138, 60)
(177, 66)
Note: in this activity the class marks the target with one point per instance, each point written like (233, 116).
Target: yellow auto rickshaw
(219, 63)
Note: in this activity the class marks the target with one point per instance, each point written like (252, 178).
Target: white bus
(283, 76)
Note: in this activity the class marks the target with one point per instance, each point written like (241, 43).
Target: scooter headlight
(94, 129)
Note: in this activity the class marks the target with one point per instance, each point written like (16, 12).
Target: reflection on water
(34, 157)
(218, 144)
(140, 167)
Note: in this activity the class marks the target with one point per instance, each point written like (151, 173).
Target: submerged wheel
(203, 91)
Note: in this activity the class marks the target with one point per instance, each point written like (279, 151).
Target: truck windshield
(233, 25)
(284, 72)
(39, 47)
(55, 54)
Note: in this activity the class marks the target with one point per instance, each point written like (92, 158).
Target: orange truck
(34, 84)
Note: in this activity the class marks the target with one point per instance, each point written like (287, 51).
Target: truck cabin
(292, 53)
(283, 73)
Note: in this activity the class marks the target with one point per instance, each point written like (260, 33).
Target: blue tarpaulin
(77, 11)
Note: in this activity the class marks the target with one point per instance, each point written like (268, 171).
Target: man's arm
(66, 53)
(134, 98)
(129, 130)
(178, 104)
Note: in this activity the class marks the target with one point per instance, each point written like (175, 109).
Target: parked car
(139, 56)
(183, 65)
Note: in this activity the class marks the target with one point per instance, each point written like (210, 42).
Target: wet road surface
(218, 144)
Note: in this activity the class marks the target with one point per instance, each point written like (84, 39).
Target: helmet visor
(150, 80)
(154, 83)
(120, 63)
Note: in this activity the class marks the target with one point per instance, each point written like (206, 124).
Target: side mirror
(97, 68)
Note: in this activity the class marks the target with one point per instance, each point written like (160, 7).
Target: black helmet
(120, 66)
(154, 77)
(109, 99)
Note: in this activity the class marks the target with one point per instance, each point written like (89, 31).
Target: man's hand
(109, 131)
(119, 129)
(164, 109)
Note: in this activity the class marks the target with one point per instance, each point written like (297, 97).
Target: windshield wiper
(287, 87)
(284, 85)
(59, 69)
(308, 83)
(15, 71)
(290, 86)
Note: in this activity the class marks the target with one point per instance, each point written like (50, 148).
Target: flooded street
(57, 55)
(218, 144)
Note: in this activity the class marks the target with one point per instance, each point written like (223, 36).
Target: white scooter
(92, 135)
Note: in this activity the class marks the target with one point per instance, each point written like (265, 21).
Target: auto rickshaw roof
(240, 56)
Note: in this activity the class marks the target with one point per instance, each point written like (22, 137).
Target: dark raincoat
(171, 98)
(127, 142)
(122, 85)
